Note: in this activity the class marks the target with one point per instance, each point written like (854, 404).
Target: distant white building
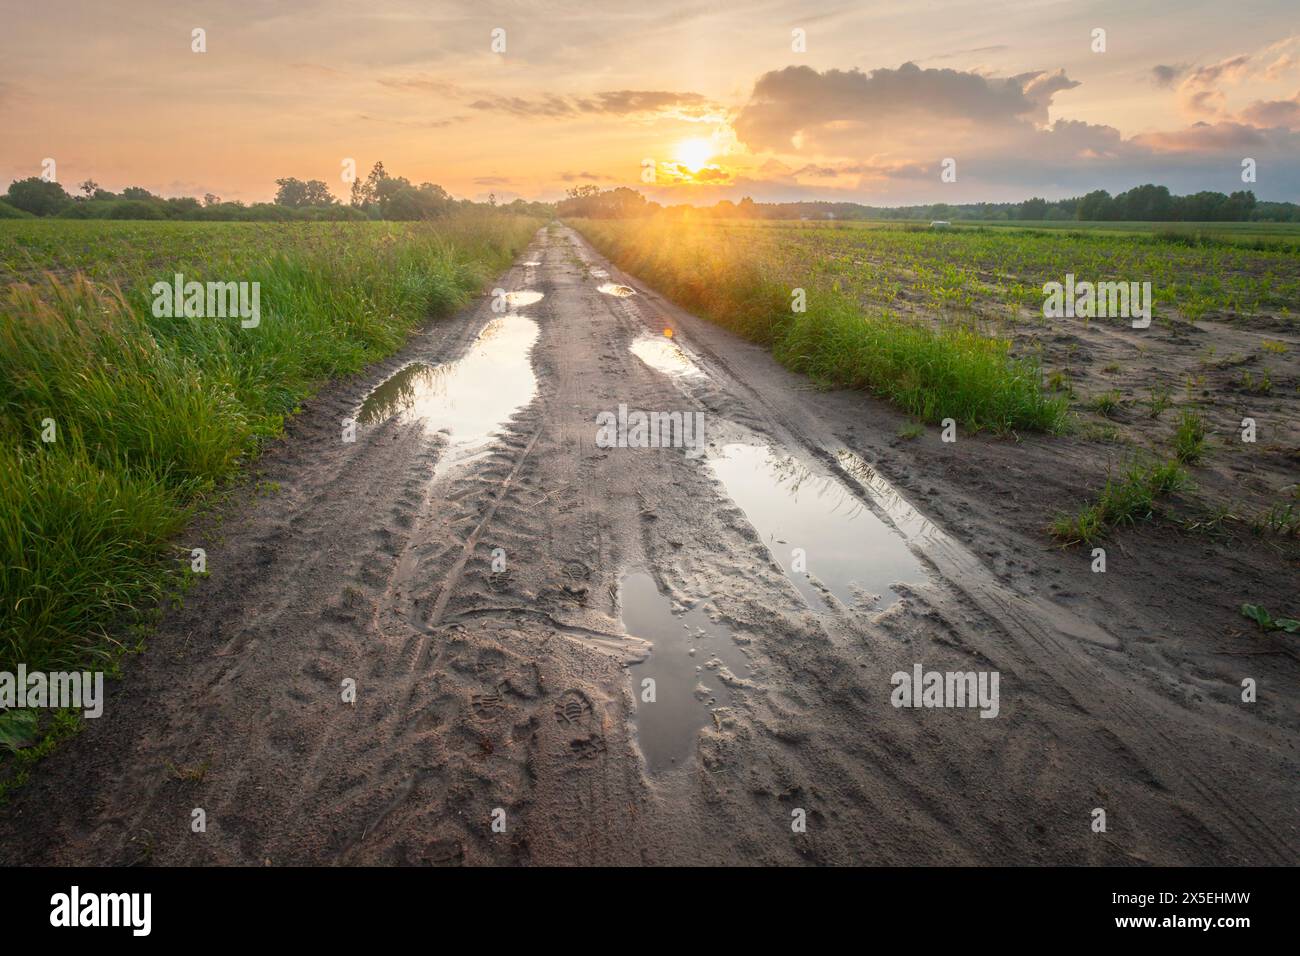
(940, 224)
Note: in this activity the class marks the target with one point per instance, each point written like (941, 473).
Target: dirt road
(499, 580)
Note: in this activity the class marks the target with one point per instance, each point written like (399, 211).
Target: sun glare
(694, 154)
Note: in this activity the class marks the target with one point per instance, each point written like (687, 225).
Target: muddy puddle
(613, 288)
(815, 528)
(662, 354)
(468, 399)
(690, 658)
(523, 297)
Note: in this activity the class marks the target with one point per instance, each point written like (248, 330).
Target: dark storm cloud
(799, 99)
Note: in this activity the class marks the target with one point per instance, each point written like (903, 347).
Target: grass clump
(1252, 385)
(911, 430)
(1126, 500)
(1107, 403)
(1189, 438)
(1281, 519)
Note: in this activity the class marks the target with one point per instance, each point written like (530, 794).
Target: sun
(694, 154)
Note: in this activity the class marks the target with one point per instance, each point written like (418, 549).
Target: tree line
(379, 195)
(1148, 203)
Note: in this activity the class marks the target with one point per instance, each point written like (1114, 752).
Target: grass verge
(949, 371)
(116, 424)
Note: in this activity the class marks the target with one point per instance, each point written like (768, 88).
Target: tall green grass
(150, 415)
(933, 372)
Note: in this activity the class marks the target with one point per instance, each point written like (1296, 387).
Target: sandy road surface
(500, 587)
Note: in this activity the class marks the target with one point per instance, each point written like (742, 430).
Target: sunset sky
(713, 93)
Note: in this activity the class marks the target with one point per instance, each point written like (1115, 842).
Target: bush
(135, 209)
(37, 196)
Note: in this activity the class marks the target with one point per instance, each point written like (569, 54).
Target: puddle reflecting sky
(613, 288)
(666, 728)
(911, 522)
(469, 398)
(663, 355)
(793, 504)
(523, 297)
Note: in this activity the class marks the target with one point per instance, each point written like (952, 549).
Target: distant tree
(135, 209)
(386, 190)
(182, 207)
(523, 207)
(1276, 212)
(1240, 206)
(318, 194)
(1148, 203)
(590, 202)
(90, 187)
(1095, 206)
(365, 192)
(209, 199)
(290, 192)
(426, 201)
(1035, 208)
(36, 196)
(296, 193)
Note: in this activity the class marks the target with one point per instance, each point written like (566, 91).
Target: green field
(1282, 233)
(997, 270)
(116, 424)
(925, 317)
